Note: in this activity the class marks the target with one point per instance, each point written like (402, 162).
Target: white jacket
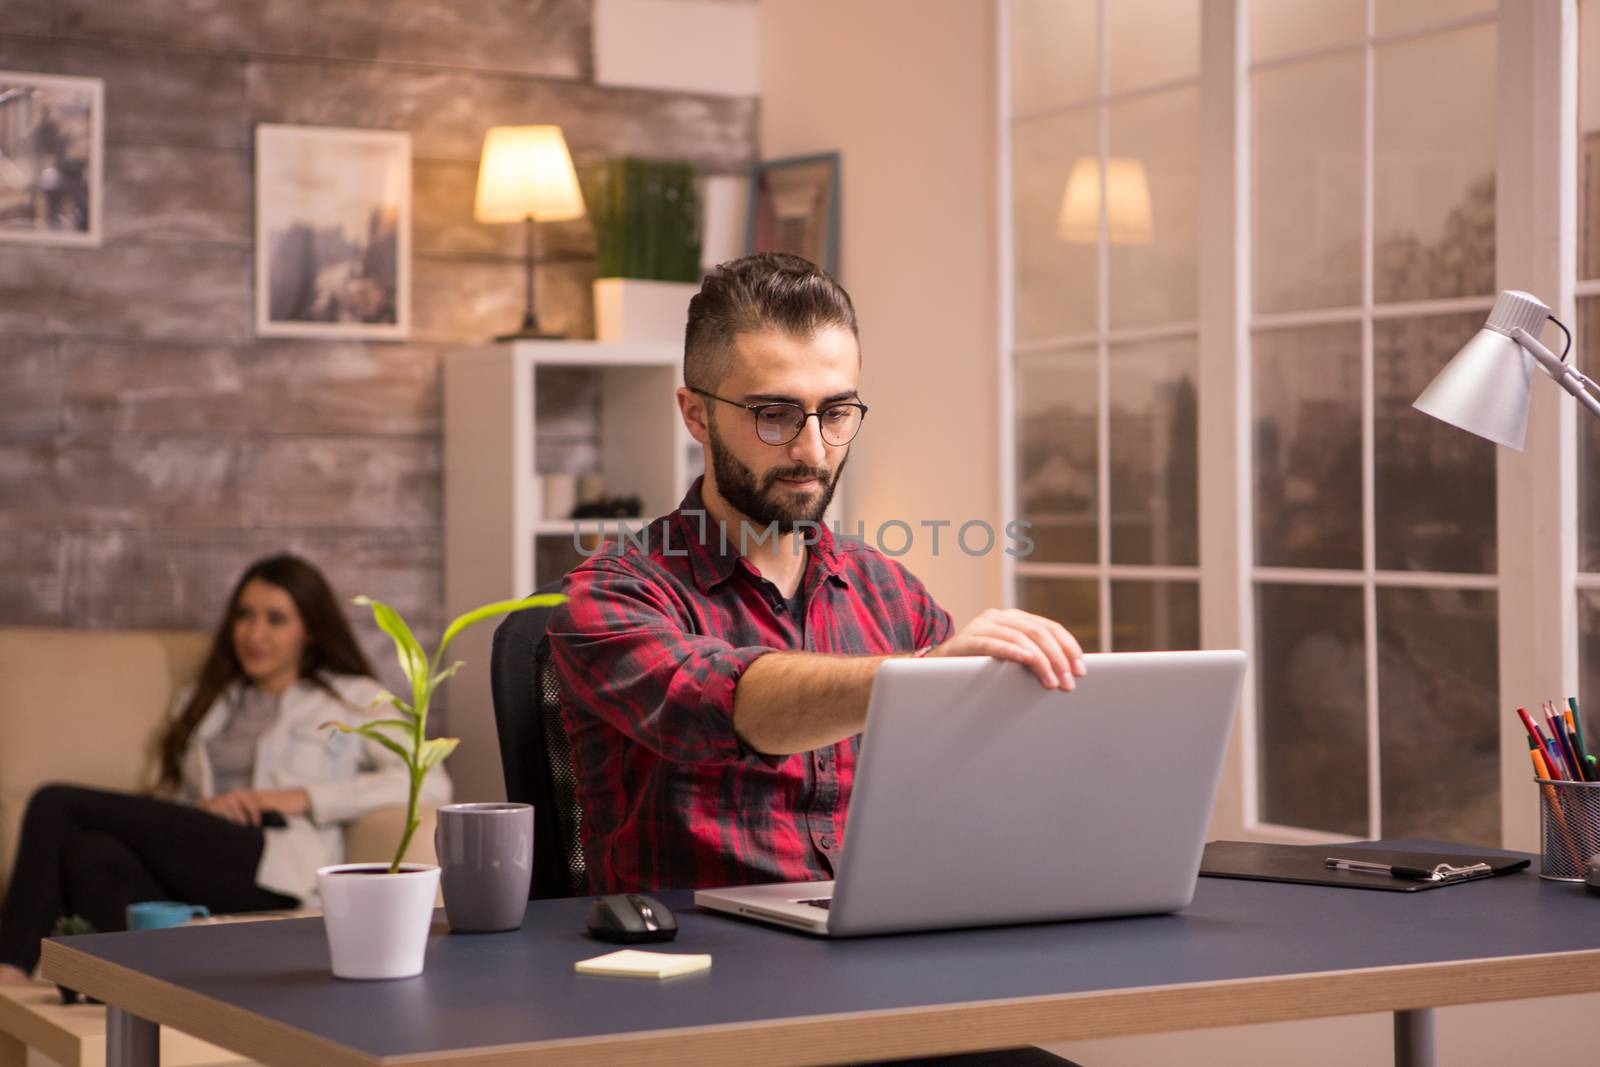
(345, 775)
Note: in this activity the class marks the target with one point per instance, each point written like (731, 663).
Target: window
(1374, 587)
(1103, 322)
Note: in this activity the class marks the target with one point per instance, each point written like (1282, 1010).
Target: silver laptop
(983, 798)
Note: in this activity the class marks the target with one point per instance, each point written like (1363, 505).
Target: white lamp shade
(1127, 205)
(1484, 389)
(526, 172)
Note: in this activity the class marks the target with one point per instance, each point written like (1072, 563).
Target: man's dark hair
(766, 291)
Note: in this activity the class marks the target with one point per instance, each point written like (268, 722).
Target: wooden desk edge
(882, 1034)
(196, 1014)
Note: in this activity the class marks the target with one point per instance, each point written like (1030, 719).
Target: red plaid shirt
(649, 650)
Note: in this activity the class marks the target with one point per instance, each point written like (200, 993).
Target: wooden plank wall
(150, 446)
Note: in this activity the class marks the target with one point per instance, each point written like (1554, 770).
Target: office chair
(534, 753)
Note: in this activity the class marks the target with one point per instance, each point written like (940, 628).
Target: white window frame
(1536, 515)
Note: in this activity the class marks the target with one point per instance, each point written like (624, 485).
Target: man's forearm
(790, 702)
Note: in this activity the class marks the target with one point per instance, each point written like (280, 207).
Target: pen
(1539, 769)
(1577, 727)
(1437, 873)
(1420, 874)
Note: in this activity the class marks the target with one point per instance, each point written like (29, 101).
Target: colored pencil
(1559, 739)
(1538, 738)
(1558, 726)
(1577, 727)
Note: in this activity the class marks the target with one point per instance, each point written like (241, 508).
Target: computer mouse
(631, 918)
(1591, 874)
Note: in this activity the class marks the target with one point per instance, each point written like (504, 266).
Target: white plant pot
(377, 922)
(634, 311)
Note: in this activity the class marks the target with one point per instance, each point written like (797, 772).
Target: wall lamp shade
(1486, 387)
(1128, 214)
(526, 172)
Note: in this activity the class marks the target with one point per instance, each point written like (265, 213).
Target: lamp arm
(1566, 375)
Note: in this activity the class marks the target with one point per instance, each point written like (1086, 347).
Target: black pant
(92, 853)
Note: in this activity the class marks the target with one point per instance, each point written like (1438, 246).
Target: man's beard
(763, 503)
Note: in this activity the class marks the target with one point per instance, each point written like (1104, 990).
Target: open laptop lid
(981, 797)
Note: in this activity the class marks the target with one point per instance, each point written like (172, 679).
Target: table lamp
(1485, 387)
(526, 176)
(1127, 203)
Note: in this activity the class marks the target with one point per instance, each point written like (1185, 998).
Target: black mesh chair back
(534, 753)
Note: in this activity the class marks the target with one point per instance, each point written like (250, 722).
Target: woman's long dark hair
(330, 649)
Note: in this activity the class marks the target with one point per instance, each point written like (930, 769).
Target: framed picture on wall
(794, 207)
(52, 138)
(333, 232)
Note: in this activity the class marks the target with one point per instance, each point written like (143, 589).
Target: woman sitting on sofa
(258, 788)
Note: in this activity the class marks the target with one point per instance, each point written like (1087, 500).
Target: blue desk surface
(519, 988)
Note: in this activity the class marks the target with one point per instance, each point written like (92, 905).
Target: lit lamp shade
(526, 172)
(1485, 388)
(1127, 205)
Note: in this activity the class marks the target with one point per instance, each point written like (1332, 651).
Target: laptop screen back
(982, 797)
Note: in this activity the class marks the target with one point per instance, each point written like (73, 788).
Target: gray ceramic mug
(486, 864)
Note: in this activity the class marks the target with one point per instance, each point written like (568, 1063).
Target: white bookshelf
(497, 542)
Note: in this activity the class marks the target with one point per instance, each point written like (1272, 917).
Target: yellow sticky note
(633, 963)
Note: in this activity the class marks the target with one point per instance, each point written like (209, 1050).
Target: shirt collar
(714, 558)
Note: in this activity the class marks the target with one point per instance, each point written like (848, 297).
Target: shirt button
(827, 842)
(822, 763)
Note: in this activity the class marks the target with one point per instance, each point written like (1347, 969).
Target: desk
(1243, 952)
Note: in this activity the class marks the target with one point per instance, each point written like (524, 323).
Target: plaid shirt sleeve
(933, 625)
(621, 651)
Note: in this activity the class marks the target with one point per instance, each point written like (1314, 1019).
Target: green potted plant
(377, 915)
(646, 217)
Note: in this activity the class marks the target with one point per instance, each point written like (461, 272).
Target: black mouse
(631, 918)
(1591, 874)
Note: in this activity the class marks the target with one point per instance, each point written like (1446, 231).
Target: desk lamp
(526, 176)
(1485, 388)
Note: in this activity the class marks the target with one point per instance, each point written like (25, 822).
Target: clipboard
(1307, 865)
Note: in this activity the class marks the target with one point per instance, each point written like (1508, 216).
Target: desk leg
(130, 1040)
(1413, 1038)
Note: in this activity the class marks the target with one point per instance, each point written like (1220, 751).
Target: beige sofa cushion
(83, 706)
(88, 707)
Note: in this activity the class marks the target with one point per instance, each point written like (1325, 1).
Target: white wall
(905, 90)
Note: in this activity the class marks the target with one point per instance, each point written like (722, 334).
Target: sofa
(87, 707)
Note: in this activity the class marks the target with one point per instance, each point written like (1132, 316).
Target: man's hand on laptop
(1042, 645)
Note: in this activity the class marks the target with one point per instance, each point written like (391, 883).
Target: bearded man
(715, 675)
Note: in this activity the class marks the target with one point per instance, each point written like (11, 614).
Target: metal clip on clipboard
(1443, 872)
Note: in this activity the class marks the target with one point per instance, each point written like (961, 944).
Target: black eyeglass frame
(757, 409)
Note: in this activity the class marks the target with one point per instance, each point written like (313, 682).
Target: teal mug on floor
(160, 914)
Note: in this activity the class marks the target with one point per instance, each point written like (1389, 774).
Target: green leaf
(433, 752)
(387, 697)
(406, 727)
(499, 607)
(413, 661)
(444, 675)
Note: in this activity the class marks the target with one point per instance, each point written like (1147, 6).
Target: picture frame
(794, 207)
(333, 232)
(52, 133)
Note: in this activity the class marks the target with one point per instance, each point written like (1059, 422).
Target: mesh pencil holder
(1569, 828)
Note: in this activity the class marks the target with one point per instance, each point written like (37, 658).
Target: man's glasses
(778, 424)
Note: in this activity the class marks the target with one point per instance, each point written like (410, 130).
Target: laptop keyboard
(819, 902)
